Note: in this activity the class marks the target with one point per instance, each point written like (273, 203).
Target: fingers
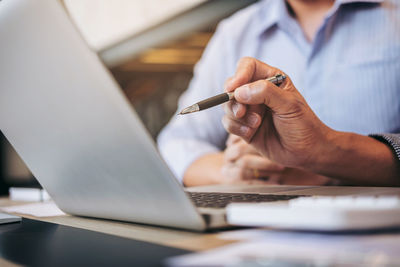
(251, 88)
(238, 149)
(248, 70)
(257, 96)
(251, 167)
(235, 109)
(243, 120)
(263, 92)
(244, 127)
(237, 174)
(259, 163)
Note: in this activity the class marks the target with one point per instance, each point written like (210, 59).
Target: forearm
(357, 159)
(205, 170)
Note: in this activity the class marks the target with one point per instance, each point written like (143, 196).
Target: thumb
(263, 92)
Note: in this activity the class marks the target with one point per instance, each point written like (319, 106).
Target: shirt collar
(270, 13)
(273, 11)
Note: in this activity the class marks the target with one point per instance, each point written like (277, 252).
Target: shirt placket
(311, 51)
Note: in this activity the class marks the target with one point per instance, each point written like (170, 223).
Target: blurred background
(152, 78)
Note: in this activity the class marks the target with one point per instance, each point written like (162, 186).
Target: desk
(191, 240)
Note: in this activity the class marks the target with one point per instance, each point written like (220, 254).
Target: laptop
(72, 125)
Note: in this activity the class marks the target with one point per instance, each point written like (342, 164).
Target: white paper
(290, 248)
(242, 235)
(43, 209)
(28, 194)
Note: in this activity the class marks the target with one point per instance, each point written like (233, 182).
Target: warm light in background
(105, 22)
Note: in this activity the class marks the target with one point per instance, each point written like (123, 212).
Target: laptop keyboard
(221, 200)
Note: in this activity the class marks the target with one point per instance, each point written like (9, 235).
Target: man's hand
(276, 121)
(243, 163)
(281, 126)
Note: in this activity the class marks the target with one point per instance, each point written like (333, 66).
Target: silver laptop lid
(71, 124)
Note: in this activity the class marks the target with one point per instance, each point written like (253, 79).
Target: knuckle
(243, 162)
(234, 127)
(227, 154)
(230, 127)
(259, 86)
(247, 135)
(230, 155)
(234, 138)
(296, 105)
(234, 151)
(263, 84)
(244, 60)
(239, 163)
(242, 147)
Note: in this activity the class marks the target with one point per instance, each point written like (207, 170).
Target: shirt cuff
(392, 140)
(180, 154)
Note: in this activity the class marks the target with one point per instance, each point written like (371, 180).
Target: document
(43, 209)
(270, 248)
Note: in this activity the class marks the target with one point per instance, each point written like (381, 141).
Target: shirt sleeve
(188, 137)
(392, 140)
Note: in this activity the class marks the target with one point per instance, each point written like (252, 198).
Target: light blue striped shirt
(349, 74)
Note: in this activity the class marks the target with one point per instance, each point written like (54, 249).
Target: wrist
(332, 147)
(322, 151)
(355, 158)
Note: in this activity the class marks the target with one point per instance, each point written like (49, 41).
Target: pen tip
(192, 108)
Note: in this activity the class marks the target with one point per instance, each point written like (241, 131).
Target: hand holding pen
(224, 97)
(277, 121)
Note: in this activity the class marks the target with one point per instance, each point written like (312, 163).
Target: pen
(222, 98)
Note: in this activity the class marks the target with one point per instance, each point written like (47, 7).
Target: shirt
(349, 74)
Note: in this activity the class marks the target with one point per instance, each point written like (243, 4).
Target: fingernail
(253, 120)
(235, 108)
(243, 93)
(244, 130)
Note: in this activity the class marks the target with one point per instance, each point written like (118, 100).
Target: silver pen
(222, 98)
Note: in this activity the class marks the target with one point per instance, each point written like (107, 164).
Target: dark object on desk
(37, 243)
(8, 218)
(3, 188)
(221, 200)
(13, 171)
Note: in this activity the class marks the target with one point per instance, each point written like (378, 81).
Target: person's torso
(349, 75)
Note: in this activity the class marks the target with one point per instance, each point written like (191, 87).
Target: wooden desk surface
(192, 240)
